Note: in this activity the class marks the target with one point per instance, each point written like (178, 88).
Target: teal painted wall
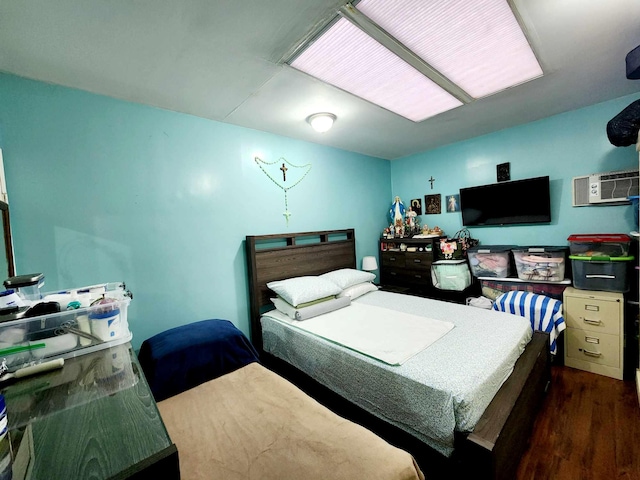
(104, 190)
(563, 146)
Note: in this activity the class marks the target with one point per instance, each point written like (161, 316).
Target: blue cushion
(186, 356)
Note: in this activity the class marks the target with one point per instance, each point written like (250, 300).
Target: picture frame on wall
(416, 205)
(453, 203)
(432, 204)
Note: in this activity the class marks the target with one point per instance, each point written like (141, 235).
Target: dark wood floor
(588, 428)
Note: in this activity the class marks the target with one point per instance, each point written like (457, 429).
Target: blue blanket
(186, 356)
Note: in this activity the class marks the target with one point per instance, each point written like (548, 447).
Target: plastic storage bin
(544, 264)
(451, 275)
(608, 274)
(28, 339)
(490, 260)
(600, 245)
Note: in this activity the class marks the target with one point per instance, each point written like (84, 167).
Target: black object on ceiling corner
(633, 64)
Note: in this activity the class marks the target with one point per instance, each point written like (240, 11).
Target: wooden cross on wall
(284, 173)
(431, 180)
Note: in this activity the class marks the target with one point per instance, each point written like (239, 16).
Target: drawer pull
(418, 276)
(392, 259)
(601, 276)
(591, 354)
(393, 274)
(417, 260)
(592, 322)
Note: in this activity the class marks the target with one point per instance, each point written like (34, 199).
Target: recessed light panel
(478, 44)
(346, 57)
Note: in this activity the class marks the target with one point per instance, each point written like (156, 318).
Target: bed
(499, 433)
(231, 418)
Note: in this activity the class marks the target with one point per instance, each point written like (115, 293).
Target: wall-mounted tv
(505, 203)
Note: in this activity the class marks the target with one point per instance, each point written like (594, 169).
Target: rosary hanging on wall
(283, 168)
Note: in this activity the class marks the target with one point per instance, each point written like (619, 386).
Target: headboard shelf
(279, 256)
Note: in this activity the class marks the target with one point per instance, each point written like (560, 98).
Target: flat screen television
(505, 203)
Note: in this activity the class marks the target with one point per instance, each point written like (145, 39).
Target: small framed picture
(416, 205)
(432, 204)
(453, 203)
(503, 172)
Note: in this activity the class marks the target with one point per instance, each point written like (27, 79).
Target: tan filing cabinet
(594, 335)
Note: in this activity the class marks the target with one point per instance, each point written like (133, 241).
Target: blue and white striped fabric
(544, 313)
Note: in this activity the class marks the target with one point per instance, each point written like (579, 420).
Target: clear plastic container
(28, 287)
(542, 264)
(490, 260)
(600, 245)
(65, 334)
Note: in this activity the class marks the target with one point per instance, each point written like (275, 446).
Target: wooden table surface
(93, 419)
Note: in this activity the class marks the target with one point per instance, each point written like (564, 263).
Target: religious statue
(396, 212)
(411, 220)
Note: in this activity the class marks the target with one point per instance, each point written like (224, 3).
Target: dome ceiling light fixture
(321, 122)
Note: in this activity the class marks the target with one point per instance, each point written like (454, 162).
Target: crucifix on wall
(431, 180)
(284, 172)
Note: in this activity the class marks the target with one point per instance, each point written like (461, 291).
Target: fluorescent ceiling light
(419, 58)
(347, 58)
(478, 45)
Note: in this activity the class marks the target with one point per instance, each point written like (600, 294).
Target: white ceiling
(223, 60)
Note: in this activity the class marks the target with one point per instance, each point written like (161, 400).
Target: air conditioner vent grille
(615, 176)
(619, 188)
(610, 188)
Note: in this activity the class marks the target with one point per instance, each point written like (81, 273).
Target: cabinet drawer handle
(393, 274)
(591, 354)
(592, 322)
(417, 260)
(600, 276)
(393, 259)
(418, 276)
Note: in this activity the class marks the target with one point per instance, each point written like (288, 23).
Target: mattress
(254, 424)
(443, 389)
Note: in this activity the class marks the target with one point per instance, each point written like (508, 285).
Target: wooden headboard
(286, 255)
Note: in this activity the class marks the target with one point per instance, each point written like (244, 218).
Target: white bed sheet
(365, 329)
(444, 388)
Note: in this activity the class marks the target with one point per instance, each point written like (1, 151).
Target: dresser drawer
(592, 314)
(418, 261)
(418, 276)
(594, 347)
(393, 259)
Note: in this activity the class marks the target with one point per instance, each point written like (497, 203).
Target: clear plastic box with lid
(90, 319)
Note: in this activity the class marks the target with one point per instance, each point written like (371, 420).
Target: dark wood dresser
(405, 267)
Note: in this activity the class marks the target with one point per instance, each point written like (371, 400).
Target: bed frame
(491, 451)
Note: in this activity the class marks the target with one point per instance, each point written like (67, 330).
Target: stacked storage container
(601, 261)
(490, 260)
(543, 264)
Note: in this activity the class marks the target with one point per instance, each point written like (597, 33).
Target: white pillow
(299, 290)
(355, 291)
(346, 277)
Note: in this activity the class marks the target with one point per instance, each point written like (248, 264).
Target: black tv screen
(505, 203)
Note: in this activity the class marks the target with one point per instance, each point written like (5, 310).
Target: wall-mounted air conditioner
(611, 188)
